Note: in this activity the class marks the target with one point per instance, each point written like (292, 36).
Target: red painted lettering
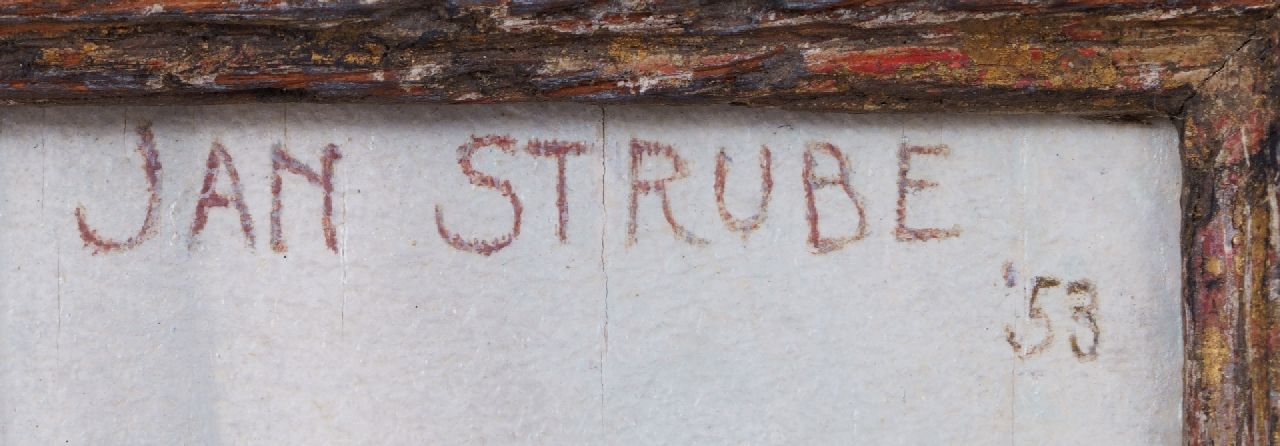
(639, 150)
(745, 226)
(812, 181)
(908, 185)
(209, 197)
(281, 160)
(151, 168)
(465, 151)
(558, 150)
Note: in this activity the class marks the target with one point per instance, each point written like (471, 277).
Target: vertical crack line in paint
(342, 254)
(1024, 177)
(57, 250)
(57, 333)
(284, 111)
(604, 270)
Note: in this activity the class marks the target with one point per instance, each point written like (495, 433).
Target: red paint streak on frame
(888, 61)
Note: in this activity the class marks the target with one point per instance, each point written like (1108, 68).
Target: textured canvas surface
(571, 274)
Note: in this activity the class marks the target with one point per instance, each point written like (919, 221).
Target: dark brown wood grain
(1210, 65)
(1090, 57)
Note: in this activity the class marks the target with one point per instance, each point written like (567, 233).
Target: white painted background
(400, 339)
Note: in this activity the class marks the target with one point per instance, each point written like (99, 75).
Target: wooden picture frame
(1213, 67)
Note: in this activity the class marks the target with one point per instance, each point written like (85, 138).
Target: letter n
(281, 160)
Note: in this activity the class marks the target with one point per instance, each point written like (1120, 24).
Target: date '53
(1037, 335)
